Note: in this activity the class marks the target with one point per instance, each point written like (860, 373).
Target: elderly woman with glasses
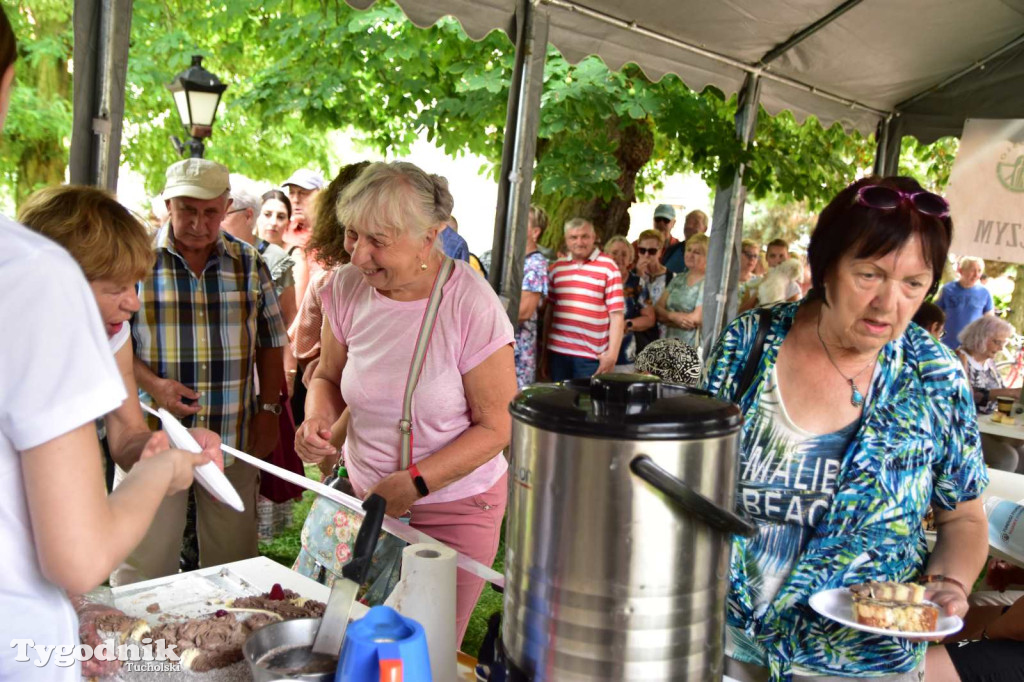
(389, 219)
(855, 421)
(980, 342)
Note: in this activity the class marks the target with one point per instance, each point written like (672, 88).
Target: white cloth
(56, 374)
(121, 337)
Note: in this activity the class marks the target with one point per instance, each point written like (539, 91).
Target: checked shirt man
(209, 316)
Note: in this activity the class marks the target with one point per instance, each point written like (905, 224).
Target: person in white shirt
(59, 532)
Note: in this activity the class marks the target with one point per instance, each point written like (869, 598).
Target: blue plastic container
(384, 646)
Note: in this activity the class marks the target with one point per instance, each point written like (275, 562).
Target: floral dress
(684, 298)
(916, 444)
(535, 279)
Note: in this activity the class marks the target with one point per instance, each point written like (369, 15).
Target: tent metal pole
(722, 276)
(515, 181)
(887, 153)
(881, 142)
(752, 69)
(102, 32)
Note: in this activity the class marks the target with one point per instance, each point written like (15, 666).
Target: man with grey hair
(584, 321)
(965, 300)
(696, 222)
(208, 316)
(240, 220)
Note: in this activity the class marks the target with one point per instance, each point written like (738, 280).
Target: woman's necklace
(856, 397)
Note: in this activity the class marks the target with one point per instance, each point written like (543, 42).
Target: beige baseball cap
(196, 178)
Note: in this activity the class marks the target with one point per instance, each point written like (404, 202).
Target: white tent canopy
(865, 63)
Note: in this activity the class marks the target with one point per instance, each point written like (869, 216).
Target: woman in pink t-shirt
(460, 422)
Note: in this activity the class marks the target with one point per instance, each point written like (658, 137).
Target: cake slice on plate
(893, 606)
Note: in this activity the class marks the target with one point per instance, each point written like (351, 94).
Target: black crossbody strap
(764, 323)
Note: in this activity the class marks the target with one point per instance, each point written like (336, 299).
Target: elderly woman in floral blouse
(853, 424)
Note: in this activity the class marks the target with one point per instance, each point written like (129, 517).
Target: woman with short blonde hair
(681, 305)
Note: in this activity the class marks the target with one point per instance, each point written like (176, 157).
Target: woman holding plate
(854, 423)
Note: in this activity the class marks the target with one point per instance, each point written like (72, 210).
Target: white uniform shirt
(56, 374)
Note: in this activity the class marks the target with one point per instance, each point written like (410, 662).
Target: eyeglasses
(888, 199)
(750, 254)
(662, 220)
(234, 210)
(646, 252)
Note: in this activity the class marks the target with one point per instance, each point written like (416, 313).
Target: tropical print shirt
(917, 443)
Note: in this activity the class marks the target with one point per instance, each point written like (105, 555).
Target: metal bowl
(284, 651)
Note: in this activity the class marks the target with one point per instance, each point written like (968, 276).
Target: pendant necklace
(856, 398)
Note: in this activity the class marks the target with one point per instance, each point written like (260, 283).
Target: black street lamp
(197, 94)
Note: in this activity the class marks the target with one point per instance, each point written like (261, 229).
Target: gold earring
(423, 266)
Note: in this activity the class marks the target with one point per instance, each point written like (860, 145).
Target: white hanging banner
(986, 191)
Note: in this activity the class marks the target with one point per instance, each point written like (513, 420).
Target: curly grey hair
(974, 336)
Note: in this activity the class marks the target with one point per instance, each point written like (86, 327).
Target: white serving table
(992, 428)
(259, 573)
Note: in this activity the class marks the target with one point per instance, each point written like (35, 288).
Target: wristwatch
(274, 408)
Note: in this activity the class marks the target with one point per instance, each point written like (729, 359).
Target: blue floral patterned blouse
(917, 443)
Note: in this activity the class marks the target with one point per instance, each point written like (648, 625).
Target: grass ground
(285, 547)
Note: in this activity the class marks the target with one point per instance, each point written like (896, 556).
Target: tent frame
(102, 30)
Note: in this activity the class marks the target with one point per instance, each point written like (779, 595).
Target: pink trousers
(471, 526)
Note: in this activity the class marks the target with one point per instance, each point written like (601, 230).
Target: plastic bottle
(1005, 525)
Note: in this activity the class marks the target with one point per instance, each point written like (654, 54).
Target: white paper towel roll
(426, 593)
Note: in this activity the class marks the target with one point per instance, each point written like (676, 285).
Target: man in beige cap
(208, 316)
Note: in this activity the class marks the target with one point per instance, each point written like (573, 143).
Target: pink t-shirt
(380, 335)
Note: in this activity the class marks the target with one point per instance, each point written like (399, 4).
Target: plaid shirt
(203, 331)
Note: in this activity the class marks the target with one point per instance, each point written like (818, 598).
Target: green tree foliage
(35, 140)
(299, 69)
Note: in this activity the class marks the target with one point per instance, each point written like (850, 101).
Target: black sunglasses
(648, 252)
(662, 220)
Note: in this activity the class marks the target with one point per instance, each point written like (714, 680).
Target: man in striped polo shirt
(584, 320)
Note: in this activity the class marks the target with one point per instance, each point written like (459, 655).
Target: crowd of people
(346, 324)
(601, 307)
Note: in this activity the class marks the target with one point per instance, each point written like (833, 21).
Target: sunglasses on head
(646, 252)
(888, 199)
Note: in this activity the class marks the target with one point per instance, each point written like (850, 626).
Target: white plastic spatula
(208, 475)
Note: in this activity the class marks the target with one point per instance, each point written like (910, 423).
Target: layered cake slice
(893, 606)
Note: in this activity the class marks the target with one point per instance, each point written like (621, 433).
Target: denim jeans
(563, 367)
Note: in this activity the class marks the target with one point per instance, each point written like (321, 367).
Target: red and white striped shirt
(583, 296)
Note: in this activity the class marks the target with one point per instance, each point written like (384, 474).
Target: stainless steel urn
(619, 521)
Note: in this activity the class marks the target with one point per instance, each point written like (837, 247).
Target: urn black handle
(690, 500)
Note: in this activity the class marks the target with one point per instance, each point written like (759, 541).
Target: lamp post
(197, 94)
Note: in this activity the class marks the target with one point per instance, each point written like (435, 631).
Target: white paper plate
(208, 475)
(837, 605)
